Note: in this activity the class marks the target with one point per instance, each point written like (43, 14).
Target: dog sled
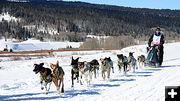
(152, 57)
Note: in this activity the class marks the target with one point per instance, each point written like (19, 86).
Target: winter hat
(158, 28)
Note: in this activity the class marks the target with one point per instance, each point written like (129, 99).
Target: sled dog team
(83, 71)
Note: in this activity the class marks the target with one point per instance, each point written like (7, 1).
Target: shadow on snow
(73, 93)
(105, 85)
(153, 69)
(138, 75)
(143, 72)
(170, 66)
(31, 96)
(113, 80)
(161, 67)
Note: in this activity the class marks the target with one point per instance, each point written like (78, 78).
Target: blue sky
(157, 4)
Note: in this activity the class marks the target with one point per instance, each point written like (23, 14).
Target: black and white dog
(122, 62)
(45, 75)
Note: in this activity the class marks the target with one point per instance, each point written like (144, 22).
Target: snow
(98, 37)
(32, 44)
(42, 28)
(6, 16)
(49, 30)
(19, 82)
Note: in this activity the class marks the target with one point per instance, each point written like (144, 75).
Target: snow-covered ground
(32, 44)
(19, 82)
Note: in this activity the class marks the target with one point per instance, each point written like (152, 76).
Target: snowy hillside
(19, 82)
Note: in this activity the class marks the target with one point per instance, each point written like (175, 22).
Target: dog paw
(46, 92)
(62, 91)
(58, 88)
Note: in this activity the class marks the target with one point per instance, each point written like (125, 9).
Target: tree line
(74, 20)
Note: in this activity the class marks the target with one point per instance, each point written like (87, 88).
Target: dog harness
(58, 72)
(44, 77)
(94, 67)
(75, 69)
(105, 66)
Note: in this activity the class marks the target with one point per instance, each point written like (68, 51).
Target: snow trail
(19, 83)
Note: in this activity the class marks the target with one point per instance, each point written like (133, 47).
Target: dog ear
(77, 59)
(41, 64)
(35, 65)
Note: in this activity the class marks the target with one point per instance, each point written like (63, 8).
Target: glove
(148, 48)
(152, 45)
(156, 47)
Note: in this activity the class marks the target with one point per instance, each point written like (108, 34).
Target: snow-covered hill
(18, 82)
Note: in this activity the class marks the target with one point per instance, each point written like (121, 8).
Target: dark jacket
(161, 40)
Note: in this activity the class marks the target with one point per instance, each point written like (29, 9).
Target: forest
(72, 21)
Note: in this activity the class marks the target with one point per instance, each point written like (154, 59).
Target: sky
(154, 4)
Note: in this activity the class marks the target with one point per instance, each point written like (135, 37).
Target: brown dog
(58, 76)
(141, 61)
(105, 67)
